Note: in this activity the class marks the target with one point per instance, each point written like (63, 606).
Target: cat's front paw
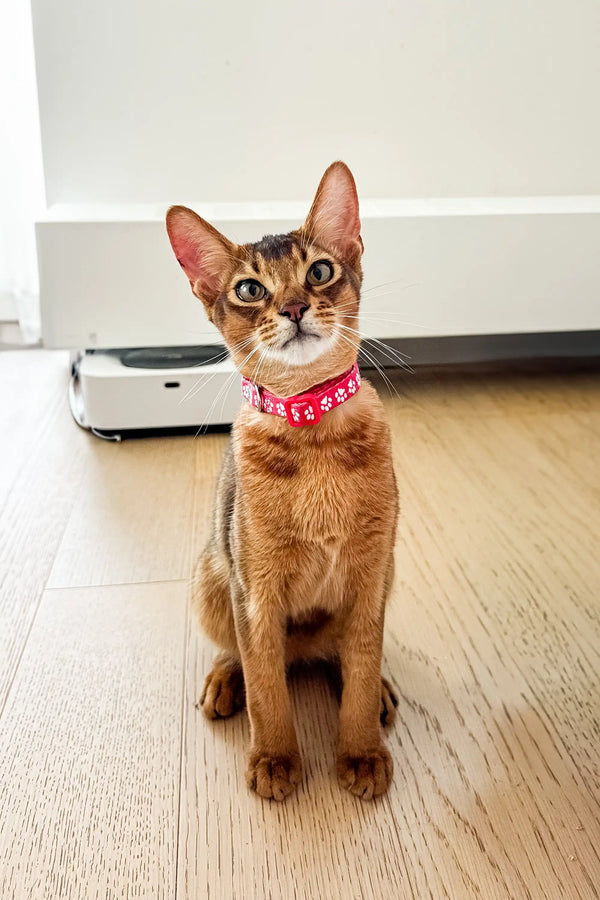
(368, 775)
(273, 777)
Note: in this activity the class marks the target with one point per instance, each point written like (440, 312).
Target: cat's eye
(249, 290)
(320, 272)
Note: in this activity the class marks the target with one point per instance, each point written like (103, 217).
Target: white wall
(150, 102)
(161, 100)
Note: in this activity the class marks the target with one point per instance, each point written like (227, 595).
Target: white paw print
(309, 415)
(281, 409)
(352, 386)
(268, 405)
(247, 392)
(340, 395)
(358, 378)
(296, 415)
(326, 403)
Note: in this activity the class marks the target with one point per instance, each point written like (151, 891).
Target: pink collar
(307, 408)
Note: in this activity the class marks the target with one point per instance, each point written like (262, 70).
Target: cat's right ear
(202, 252)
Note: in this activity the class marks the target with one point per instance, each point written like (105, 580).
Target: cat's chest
(321, 501)
(316, 495)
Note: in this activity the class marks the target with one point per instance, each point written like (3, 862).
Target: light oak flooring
(112, 785)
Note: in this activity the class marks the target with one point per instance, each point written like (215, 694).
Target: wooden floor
(112, 785)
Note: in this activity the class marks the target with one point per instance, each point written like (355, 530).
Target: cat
(300, 561)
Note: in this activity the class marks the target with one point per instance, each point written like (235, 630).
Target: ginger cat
(300, 560)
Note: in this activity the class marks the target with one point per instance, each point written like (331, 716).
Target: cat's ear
(202, 252)
(333, 221)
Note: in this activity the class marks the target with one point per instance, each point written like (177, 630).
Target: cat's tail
(211, 598)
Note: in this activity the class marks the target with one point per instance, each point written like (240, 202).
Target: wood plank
(492, 642)
(132, 521)
(32, 384)
(209, 450)
(90, 747)
(429, 393)
(523, 538)
(43, 462)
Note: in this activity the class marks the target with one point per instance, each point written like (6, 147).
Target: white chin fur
(300, 353)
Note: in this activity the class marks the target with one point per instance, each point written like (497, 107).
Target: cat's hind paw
(389, 702)
(223, 693)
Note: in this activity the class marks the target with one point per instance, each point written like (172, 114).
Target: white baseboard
(449, 267)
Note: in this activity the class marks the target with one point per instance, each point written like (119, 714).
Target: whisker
(390, 352)
(202, 385)
(389, 284)
(395, 356)
(377, 296)
(257, 367)
(224, 388)
(371, 359)
(219, 357)
(383, 319)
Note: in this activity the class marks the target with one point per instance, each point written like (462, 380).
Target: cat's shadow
(315, 690)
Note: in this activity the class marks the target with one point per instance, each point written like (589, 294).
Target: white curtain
(21, 177)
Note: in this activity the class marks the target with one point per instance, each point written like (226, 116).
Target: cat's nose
(293, 311)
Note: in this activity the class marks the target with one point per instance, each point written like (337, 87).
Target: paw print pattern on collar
(306, 408)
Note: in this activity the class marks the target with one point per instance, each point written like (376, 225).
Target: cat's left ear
(333, 221)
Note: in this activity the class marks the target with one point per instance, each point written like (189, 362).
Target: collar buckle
(297, 417)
